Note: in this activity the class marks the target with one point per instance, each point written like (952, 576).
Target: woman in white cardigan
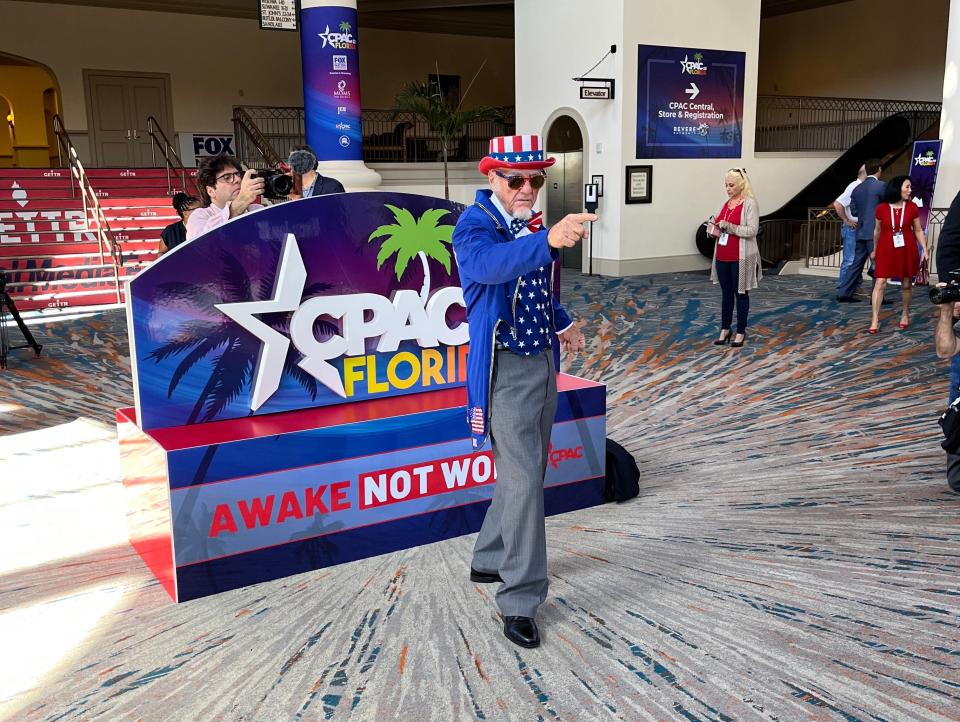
(736, 257)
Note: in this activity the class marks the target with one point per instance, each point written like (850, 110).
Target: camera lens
(944, 294)
(281, 185)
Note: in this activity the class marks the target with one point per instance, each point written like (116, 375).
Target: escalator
(891, 140)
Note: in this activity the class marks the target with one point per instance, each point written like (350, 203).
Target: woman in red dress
(895, 246)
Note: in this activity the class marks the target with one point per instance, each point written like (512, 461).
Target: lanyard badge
(898, 241)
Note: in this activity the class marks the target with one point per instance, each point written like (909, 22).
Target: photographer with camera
(227, 192)
(947, 296)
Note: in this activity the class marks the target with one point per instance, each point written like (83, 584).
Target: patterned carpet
(794, 553)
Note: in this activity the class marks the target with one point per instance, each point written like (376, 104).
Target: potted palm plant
(425, 101)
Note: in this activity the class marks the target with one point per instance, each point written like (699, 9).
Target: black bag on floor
(623, 476)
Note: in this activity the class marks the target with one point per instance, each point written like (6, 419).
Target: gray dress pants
(513, 539)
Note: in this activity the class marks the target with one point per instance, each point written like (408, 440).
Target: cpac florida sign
(277, 311)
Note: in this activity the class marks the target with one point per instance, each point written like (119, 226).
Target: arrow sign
(693, 91)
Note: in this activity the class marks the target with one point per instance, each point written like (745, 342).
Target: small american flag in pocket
(476, 420)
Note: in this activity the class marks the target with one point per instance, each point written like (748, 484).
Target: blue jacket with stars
(491, 262)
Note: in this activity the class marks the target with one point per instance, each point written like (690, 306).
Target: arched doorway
(565, 181)
(32, 97)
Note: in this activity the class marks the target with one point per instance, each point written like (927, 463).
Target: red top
(893, 262)
(731, 251)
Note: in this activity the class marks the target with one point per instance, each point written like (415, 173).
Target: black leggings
(728, 272)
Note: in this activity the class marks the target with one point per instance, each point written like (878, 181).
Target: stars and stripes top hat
(521, 152)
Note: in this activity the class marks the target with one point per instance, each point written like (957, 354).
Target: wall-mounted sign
(639, 185)
(194, 147)
(331, 82)
(602, 88)
(689, 102)
(588, 92)
(278, 14)
(278, 311)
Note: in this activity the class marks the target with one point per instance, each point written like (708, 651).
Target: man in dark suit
(864, 201)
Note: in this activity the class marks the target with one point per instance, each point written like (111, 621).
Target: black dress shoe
(484, 577)
(886, 302)
(522, 631)
(848, 299)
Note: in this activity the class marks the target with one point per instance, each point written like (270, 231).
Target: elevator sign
(689, 102)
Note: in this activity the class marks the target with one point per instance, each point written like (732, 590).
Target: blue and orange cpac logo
(408, 316)
(342, 40)
(693, 67)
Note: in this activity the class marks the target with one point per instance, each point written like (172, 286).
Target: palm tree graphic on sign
(345, 27)
(698, 56)
(410, 237)
(233, 349)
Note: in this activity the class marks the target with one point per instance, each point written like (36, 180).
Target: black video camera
(949, 293)
(276, 184)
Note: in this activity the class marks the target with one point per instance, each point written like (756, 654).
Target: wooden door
(118, 105)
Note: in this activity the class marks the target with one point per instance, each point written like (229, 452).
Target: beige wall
(660, 235)
(259, 68)
(389, 58)
(70, 39)
(818, 52)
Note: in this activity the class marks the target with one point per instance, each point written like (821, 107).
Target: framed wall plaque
(598, 181)
(639, 185)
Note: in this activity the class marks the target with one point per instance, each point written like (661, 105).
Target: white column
(948, 177)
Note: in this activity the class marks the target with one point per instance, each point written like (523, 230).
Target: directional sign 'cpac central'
(689, 102)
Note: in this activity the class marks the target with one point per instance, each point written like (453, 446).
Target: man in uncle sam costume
(506, 262)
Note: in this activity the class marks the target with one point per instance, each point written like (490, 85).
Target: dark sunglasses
(515, 182)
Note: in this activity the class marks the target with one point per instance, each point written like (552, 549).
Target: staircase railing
(794, 123)
(93, 216)
(823, 245)
(253, 148)
(265, 135)
(171, 160)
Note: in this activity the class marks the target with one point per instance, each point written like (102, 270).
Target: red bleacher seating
(50, 251)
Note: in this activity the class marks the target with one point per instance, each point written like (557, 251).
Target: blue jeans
(849, 236)
(848, 282)
(728, 273)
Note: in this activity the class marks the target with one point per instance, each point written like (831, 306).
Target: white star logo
(287, 293)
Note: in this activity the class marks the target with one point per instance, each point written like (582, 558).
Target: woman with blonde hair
(736, 256)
